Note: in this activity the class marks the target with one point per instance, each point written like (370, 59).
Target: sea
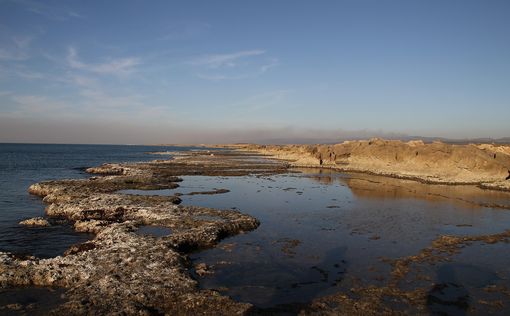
(24, 164)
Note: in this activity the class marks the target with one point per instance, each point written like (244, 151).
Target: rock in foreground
(35, 222)
(120, 271)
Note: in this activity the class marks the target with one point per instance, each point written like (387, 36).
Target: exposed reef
(485, 165)
(35, 222)
(120, 271)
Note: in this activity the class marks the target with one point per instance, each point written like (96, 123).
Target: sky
(151, 72)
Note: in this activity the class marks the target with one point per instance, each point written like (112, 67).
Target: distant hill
(484, 140)
(331, 140)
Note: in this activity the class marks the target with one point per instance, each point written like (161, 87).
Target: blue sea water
(24, 164)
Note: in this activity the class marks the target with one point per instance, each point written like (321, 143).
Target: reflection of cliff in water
(366, 186)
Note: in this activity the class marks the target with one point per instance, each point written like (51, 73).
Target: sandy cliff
(487, 165)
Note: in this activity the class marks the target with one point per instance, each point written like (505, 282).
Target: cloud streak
(248, 73)
(118, 67)
(234, 66)
(225, 60)
(58, 13)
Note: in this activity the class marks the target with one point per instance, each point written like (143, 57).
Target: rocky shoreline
(485, 165)
(120, 271)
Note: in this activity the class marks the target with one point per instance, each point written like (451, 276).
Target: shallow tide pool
(322, 231)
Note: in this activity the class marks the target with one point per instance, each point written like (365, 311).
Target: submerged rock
(202, 269)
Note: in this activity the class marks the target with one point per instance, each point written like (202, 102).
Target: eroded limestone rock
(35, 222)
(120, 271)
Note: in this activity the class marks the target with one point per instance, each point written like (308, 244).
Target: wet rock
(228, 247)
(74, 249)
(215, 191)
(202, 269)
(289, 245)
(154, 231)
(436, 298)
(120, 271)
(106, 169)
(14, 307)
(35, 222)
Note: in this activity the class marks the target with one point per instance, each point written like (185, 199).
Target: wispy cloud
(273, 62)
(59, 13)
(245, 73)
(213, 77)
(16, 48)
(225, 60)
(119, 66)
(234, 66)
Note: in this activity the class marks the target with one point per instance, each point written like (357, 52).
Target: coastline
(484, 165)
(121, 270)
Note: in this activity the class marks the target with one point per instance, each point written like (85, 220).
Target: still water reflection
(320, 230)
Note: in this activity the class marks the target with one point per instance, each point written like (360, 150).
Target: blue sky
(202, 71)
